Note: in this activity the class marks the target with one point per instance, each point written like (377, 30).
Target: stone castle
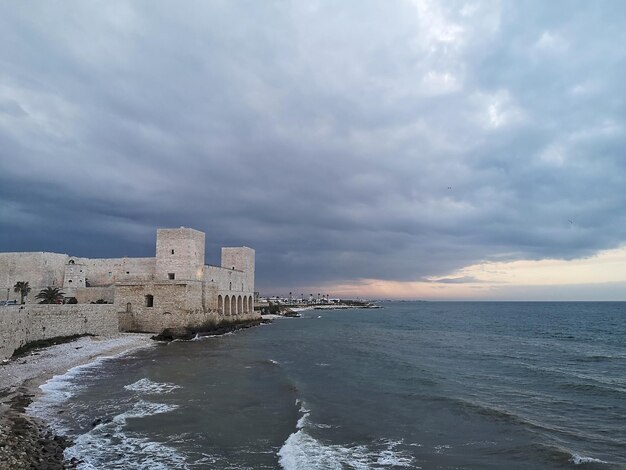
(175, 289)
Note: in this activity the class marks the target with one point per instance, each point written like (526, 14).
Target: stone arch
(227, 305)
(245, 304)
(250, 305)
(239, 305)
(220, 304)
(233, 305)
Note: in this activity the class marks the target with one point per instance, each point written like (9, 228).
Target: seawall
(147, 321)
(26, 323)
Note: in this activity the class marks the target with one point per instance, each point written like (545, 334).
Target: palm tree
(50, 295)
(23, 288)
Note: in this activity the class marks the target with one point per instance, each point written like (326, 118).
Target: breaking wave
(149, 387)
(112, 445)
(303, 451)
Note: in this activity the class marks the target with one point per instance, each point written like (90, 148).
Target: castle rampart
(20, 325)
(174, 289)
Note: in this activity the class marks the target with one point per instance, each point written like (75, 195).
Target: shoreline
(27, 441)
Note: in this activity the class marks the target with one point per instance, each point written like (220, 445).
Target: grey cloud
(326, 136)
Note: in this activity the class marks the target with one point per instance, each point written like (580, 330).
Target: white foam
(274, 362)
(149, 387)
(578, 459)
(440, 448)
(302, 451)
(59, 389)
(109, 445)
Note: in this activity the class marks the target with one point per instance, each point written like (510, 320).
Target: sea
(431, 385)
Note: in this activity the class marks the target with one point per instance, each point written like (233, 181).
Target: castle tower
(242, 259)
(179, 254)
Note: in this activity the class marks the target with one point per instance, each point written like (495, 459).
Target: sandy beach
(25, 442)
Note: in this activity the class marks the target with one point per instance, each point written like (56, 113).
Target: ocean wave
(578, 459)
(111, 445)
(556, 454)
(303, 451)
(600, 358)
(60, 389)
(148, 386)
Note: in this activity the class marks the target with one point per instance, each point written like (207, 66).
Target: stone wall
(174, 304)
(86, 295)
(101, 272)
(39, 269)
(242, 259)
(227, 279)
(23, 324)
(179, 253)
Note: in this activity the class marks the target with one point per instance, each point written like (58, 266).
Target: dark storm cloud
(357, 140)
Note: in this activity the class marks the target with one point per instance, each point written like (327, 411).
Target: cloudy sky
(405, 148)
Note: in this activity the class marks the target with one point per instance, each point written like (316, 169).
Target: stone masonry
(175, 289)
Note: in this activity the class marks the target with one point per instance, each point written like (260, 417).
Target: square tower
(179, 254)
(242, 259)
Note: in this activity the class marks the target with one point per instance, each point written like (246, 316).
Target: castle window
(81, 270)
(71, 261)
(127, 272)
(172, 251)
(70, 281)
(110, 274)
(230, 286)
(171, 275)
(129, 308)
(149, 300)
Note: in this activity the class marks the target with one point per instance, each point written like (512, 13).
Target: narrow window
(171, 275)
(172, 251)
(149, 300)
(129, 308)
(127, 272)
(230, 286)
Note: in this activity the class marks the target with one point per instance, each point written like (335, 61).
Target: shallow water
(413, 385)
